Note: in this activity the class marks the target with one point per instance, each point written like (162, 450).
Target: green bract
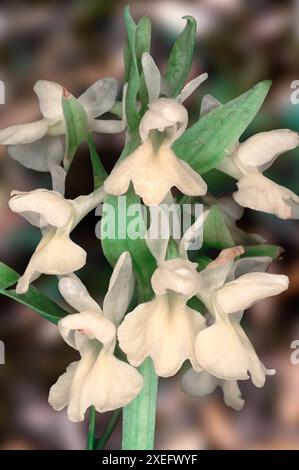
(33, 299)
(209, 140)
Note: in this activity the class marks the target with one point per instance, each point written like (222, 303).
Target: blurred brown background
(75, 43)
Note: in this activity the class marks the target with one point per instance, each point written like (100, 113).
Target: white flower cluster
(165, 328)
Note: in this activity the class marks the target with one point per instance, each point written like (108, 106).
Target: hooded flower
(56, 217)
(43, 149)
(164, 328)
(153, 167)
(223, 349)
(98, 378)
(247, 162)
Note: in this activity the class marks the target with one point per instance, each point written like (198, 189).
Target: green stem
(139, 416)
(91, 429)
(101, 442)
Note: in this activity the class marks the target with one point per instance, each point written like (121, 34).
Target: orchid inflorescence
(161, 153)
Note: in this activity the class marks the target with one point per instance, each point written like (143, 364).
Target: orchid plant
(167, 304)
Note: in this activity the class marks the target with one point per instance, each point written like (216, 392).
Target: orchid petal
(163, 329)
(152, 77)
(75, 294)
(120, 290)
(191, 87)
(99, 97)
(49, 95)
(23, 133)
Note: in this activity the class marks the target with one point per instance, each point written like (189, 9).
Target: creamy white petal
(58, 175)
(152, 77)
(92, 323)
(164, 329)
(232, 394)
(82, 205)
(208, 103)
(228, 166)
(221, 352)
(193, 232)
(56, 255)
(165, 114)
(249, 289)
(153, 175)
(249, 265)
(178, 275)
(199, 384)
(76, 409)
(99, 97)
(107, 126)
(191, 87)
(23, 133)
(51, 205)
(215, 274)
(262, 149)
(59, 395)
(120, 289)
(258, 192)
(231, 210)
(110, 384)
(38, 155)
(157, 236)
(75, 294)
(49, 95)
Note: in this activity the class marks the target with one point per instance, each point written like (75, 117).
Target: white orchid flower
(165, 328)
(247, 162)
(98, 378)
(153, 167)
(37, 145)
(223, 349)
(56, 217)
(201, 383)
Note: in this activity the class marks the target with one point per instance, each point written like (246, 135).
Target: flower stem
(140, 415)
(101, 442)
(91, 429)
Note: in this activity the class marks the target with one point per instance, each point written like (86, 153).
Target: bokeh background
(75, 43)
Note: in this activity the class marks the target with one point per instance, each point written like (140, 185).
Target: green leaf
(76, 125)
(205, 144)
(180, 59)
(274, 251)
(142, 39)
(140, 415)
(99, 172)
(32, 299)
(132, 114)
(215, 231)
(119, 221)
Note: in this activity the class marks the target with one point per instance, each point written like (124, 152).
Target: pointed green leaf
(33, 299)
(132, 114)
(142, 38)
(180, 59)
(205, 144)
(274, 251)
(215, 231)
(76, 126)
(99, 172)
